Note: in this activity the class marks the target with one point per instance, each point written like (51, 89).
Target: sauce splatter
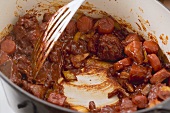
(164, 39)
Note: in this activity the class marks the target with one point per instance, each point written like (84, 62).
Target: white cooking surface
(4, 107)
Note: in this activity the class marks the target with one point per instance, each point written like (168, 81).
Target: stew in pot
(91, 57)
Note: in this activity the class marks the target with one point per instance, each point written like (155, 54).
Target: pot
(149, 18)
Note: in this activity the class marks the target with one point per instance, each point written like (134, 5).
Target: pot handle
(26, 103)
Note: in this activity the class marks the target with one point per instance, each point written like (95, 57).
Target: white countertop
(4, 107)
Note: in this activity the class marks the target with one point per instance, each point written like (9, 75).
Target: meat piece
(160, 76)
(151, 47)
(19, 31)
(127, 106)
(155, 62)
(71, 28)
(3, 57)
(56, 53)
(38, 90)
(25, 42)
(140, 101)
(27, 28)
(26, 86)
(57, 99)
(8, 46)
(43, 26)
(105, 25)
(137, 74)
(109, 48)
(33, 35)
(84, 24)
(122, 63)
(24, 66)
(77, 60)
(134, 50)
(92, 44)
(75, 48)
(120, 34)
(42, 77)
(7, 68)
(130, 38)
(47, 17)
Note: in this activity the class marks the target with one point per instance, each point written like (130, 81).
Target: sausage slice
(8, 46)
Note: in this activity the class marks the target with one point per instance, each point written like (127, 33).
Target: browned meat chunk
(47, 17)
(43, 26)
(19, 31)
(38, 90)
(140, 101)
(134, 50)
(7, 68)
(8, 46)
(57, 99)
(122, 63)
(56, 54)
(137, 74)
(92, 44)
(26, 31)
(71, 28)
(151, 47)
(127, 106)
(84, 24)
(24, 67)
(155, 62)
(130, 38)
(75, 48)
(160, 76)
(105, 25)
(109, 48)
(3, 57)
